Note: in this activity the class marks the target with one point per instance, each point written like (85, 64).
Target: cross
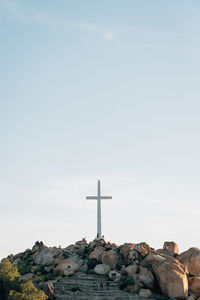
(98, 198)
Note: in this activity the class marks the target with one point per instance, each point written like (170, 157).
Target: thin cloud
(109, 35)
(17, 12)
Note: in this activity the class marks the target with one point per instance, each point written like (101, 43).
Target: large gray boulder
(66, 268)
(44, 257)
(102, 269)
(171, 278)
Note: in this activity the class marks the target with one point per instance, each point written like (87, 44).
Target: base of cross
(98, 238)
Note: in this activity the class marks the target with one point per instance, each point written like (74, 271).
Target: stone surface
(133, 255)
(48, 289)
(151, 259)
(191, 297)
(194, 284)
(142, 248)
(66, 268)
(171, 248)
(27, 277)
(97, 254)
(102, 269)
(131, 270)
(110, 258)
(44, 257)
(146, 277)
(191, 260)
(172, 279)
(125, 248)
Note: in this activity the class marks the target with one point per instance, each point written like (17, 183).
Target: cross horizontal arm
(96, 197)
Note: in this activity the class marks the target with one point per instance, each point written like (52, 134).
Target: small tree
(29, 292)
(10, 278)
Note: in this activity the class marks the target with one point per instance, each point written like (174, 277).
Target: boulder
(69, 248)
(131, 270)
(192, 297)
(76, 258)
(146, 277)
(80, 245)
(66, 268)
(171, 248)
(44, 257)
(145, 293)
(17, 261)
(171, 278)
(114, 275)
(133, 255)
(125, 248)
(143, 249)
(97, 254)
(27, 277)
(151, 259)
(48, 289)
(191, 260)
(59, 258)
(110, 258)
(102, 269)
(194, 285)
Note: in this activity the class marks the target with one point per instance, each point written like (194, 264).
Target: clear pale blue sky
(99, 90)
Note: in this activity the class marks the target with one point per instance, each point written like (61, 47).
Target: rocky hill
(100, 270)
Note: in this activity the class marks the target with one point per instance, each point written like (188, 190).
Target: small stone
(62, 289)
(146, 293)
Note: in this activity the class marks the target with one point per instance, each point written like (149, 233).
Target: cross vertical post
(98, 198)
(99, 209)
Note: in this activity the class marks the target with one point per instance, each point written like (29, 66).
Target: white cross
(98, 198)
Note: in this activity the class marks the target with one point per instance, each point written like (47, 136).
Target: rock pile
(137, 269)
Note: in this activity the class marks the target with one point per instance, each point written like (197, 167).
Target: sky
(103, 90)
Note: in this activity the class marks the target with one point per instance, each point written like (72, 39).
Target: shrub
(126, 282)
(24, 268)
(92, 263)
(90, 272)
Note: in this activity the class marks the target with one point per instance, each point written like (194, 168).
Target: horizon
(99, 90)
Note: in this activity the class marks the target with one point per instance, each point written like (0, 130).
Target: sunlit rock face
(171, 248)
(171, 278)
(191, 260)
